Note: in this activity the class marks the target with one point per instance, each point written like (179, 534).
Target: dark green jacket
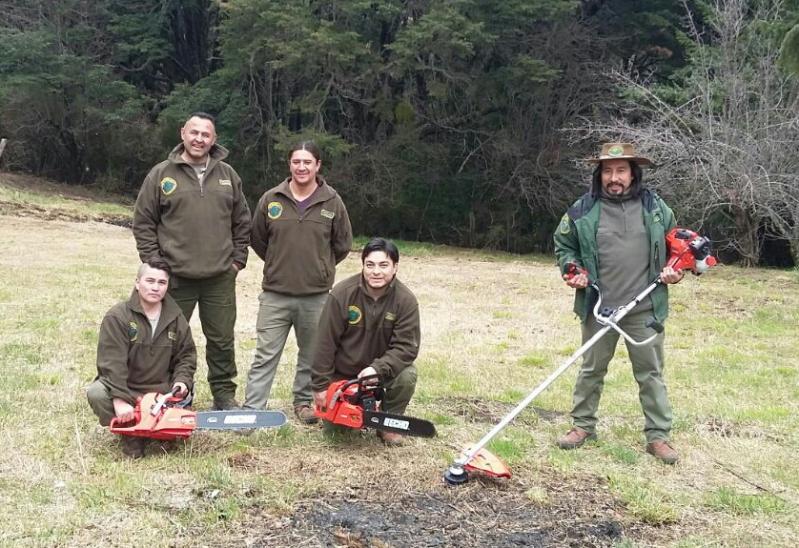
(131, 361)
(199, 229)
(300, 252)
(575, 242)
(355, 332)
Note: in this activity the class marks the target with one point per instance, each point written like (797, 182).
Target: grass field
(493, 327)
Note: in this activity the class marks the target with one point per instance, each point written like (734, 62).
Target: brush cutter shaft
(609, 322)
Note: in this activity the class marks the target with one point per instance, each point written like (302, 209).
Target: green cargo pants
(647, 362)
(399, 391)
(216, 298)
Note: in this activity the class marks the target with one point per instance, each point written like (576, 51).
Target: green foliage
(789, 51)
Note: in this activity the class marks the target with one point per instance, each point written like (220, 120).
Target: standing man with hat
(191, 212)
(616, 232)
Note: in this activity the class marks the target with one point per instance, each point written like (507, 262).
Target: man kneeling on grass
(370, 326)
(145, 345)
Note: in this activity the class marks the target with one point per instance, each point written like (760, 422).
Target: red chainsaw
(356, 404)
(157, 416)
(687, 251)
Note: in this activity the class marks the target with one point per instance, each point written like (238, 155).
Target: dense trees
(454, 121)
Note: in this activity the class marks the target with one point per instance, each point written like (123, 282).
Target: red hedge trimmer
(356, 404)
(157, 417)
(687, 251)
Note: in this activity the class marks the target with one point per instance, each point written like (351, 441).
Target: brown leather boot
(305, 414)
(133, 447)
(662, 451)
(391, 439)
(575, 438)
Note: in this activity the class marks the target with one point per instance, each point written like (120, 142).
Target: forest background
(450, 121)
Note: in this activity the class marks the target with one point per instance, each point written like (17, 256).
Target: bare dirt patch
(491, 412)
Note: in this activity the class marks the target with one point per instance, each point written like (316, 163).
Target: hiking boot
(225, 404)
(133, 447)
(390, 439)
(575, 438)
(662, 451)
(305, 414)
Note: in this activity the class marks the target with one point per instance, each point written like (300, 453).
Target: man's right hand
(123, 410)
(319, 398)
(577, 281)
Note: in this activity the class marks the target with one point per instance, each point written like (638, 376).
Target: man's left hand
(319, 399)
(670, 276)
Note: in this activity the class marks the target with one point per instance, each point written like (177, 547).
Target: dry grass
(493, 327)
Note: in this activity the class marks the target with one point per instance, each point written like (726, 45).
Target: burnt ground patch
(481, 513)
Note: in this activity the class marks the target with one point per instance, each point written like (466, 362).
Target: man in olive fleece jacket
(370, 325)
(192, 213)
(145, 345)
(616, 232)
(301, 230)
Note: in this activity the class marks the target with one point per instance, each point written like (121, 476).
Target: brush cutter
(356, 404)
(687, 251)
(156, 416)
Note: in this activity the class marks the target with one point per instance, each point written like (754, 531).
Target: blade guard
(486, 463)
(166, 423)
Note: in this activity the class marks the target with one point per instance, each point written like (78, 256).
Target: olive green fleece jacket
(576, 242)
(300, 252)
(356, 331)
(130, 360)
(199, 229)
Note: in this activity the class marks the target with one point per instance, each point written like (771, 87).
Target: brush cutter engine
(689, 251)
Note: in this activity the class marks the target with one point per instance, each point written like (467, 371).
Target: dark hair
(203, 115)
(310, 146)
(381, 244)
(635, 186)
(156, 263)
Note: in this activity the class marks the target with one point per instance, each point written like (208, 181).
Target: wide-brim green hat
(620, 151)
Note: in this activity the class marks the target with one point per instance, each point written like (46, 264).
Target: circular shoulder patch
(133, 331)
(615, 151)
(168, 185)
(354, 314)
(564, 224)
(274, 210)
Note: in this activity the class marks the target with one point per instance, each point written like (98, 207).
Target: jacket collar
(215, 155)
(392, 287)
(323, 192)
(169, 308)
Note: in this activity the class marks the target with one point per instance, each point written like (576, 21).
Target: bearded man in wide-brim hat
(616, 232)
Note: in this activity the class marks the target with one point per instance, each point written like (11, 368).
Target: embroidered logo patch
(133, 331)
(172, 335)
(225, 182)
(168, 185)
(354, 314)
(328, 214)
(564, 224)
(390, 316)
(274, 210)
(657, 218)
(615, 151)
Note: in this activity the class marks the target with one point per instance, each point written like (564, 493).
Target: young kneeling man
(145, 345)
(370, 326)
